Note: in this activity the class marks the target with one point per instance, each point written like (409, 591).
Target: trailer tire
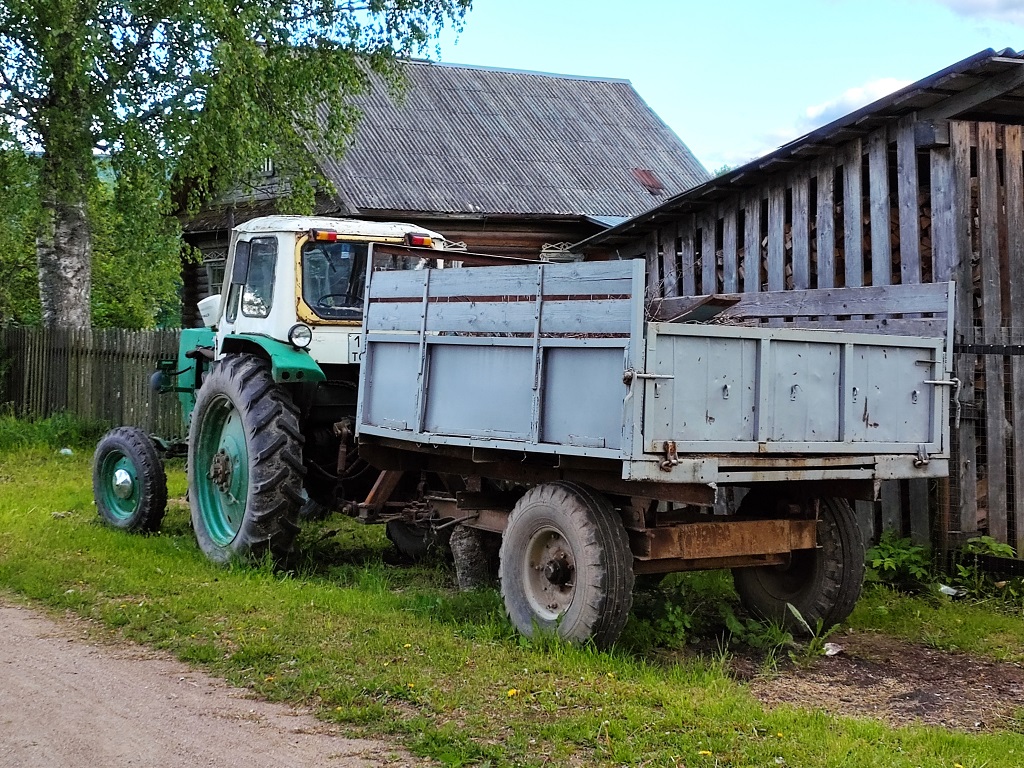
(128, 481)
(245, 463)
(823, 584)
(565, 565)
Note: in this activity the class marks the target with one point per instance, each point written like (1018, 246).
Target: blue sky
(737, 78)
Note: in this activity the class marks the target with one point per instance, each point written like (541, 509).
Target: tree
(195, 90)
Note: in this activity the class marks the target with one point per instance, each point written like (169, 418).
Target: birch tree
(198, 91)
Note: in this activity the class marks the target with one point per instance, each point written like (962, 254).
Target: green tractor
(268, 391)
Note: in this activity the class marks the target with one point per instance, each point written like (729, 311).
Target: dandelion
(411, 686)
(705, 753)
(268, 678)
(779, 734)
(407, 645)
(957, 765)
(513, 692)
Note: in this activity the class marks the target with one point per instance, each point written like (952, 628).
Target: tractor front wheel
(245, 463)
(128, 481)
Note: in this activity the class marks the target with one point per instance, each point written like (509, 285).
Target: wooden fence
(99, 375)
(904, 203)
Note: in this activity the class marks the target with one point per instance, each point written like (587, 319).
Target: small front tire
(128, 481)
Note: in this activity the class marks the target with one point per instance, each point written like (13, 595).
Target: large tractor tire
(823, 584)
(565, 565)
(245, 463)
(128, 481)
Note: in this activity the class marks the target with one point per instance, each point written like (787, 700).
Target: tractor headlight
(300, 335)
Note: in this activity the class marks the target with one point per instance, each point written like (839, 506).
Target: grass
(394, 652)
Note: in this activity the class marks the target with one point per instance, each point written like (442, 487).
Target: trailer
(601, 435)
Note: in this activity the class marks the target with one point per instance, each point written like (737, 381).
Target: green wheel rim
(120, 506)
(222, 471)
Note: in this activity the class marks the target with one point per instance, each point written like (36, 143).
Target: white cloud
(1011, 11)
(851, 99)
(812, 117)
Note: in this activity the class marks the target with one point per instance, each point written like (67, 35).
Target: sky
(737, 78)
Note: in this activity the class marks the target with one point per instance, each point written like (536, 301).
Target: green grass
(394, 652)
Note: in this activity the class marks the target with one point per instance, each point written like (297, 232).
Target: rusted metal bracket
(671, 457)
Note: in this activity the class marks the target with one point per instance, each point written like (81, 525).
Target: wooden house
(924, 185)
(505, 161)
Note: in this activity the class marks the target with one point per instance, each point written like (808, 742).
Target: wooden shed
(924, 185)
(503, 160)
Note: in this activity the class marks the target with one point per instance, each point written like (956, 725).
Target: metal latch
(956, 384)
(629, 374)
(671, 457)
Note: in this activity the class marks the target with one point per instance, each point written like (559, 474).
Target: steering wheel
(323, 300)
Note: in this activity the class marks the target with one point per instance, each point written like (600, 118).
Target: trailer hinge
(922, 457)
(671, 457)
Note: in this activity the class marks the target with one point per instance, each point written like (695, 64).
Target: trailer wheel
(565, 565)
(245, 463)
(128, 481)
(822, 584)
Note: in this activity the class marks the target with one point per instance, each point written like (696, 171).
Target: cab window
(333, 274)
(258, 291)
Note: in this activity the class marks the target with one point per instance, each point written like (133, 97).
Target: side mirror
(208, 308)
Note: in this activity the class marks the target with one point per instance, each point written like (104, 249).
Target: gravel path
(68, 703)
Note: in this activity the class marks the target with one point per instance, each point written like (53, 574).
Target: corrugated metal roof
(475, 140)
(986, 86)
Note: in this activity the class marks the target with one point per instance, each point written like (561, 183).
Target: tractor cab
(296, 283)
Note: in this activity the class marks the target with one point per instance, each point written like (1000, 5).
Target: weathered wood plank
(708, 266)
(801, 233)
(909, 204)
(730, 256)
(874, 300)
(944, 255)
(964, 364)
(669, 259)
(989, 205)
(892, 511)
(686, 251)
(752, 244)
(653, 259)
(878, 195)
(853, 214)
(920, 522)
(825, 220)
(776, 238)
(1014, 182)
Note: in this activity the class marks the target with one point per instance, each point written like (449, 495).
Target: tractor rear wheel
(245, 463)
(128, 481)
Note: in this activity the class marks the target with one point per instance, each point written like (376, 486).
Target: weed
(818, 635)
(980, 584)
(899, 563)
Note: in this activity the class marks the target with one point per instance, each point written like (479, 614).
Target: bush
(899, 563)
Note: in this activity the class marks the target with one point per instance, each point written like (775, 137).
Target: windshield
(332, 279)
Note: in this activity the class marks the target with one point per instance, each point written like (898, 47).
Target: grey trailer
(601, 435)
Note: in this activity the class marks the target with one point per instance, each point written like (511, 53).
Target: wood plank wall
(97, 375)
(881, 210)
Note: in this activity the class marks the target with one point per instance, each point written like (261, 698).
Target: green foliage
(900, 563)
(187, 99)
(978, 583)
(19, 218)
(135, 262)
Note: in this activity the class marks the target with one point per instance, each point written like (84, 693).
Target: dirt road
(69, 703)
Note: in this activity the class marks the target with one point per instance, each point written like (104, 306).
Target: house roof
(988, 86)
(478, 141)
